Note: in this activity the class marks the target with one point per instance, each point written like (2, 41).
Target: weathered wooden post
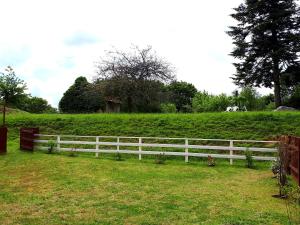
(58, 143)
(3, 140)
(140, 148)
(118, 144)
(97, 147)
(186, 150)
(27, 137)
(231, 152)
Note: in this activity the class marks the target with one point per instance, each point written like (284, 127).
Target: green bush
(204, 102)
(168, 108)
(249, 159)
(51, 145)
(118, 157)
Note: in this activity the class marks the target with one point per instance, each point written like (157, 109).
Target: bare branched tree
(138, 64)
(129, 75)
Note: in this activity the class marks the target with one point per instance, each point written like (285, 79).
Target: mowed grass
(38, 188)
(244, 125)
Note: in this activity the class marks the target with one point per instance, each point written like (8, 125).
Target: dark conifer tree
(81, 97)
(267, 42)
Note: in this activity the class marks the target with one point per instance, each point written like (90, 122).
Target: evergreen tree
(267, 42)
(81, 97)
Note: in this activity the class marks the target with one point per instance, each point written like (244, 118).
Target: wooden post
(97, 147)
(186, 150)
(3, 140)
(4, 112)
(231, 152)
(118, 146)
(58, 143)
(140, 148)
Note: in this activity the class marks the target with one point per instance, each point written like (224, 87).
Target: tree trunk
(276, 70)
(277, 94)
(277, 86)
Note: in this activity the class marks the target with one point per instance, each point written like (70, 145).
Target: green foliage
(249, 159)
(266, 37)
(181, 94)
(118, 157)
(168, 108)
(34, 105)
(136, 96)
(249, 98)
(293, 99)
(51, 145)
(135, 77)
(160, 158)
(11, 87)
(204, 102)
(211, 161)
(81, 97)
(270, 107)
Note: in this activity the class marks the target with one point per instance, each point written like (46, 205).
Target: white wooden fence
(102, 146)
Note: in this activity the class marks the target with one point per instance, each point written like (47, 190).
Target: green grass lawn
(38, 188)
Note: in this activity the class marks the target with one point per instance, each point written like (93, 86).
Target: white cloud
(190, 34)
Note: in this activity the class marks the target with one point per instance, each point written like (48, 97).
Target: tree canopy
(181, 94)
(34, 105)
(11, 88)
(135, 77)
(267, 43)
(81, 97)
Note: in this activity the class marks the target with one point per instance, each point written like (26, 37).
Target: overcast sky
(51, 42)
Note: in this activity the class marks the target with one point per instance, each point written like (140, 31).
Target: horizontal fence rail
(102, 146)
(141, 146)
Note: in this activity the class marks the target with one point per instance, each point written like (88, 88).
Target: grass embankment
(250, 125)
(38, 188)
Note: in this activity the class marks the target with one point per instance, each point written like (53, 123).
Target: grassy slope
(251, 125)
(37, 188)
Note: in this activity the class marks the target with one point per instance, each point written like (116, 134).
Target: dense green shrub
(168, 108)
(249, 159)
(204, 102)
(181, 94)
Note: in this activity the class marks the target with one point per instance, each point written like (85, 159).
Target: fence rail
(140, 143)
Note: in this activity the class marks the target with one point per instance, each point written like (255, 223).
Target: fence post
(140, 149)
(231, 152)
(118, 146)
(97, 147)
(58, 143)
(186, 150)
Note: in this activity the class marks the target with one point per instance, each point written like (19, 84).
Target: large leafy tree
(135, 77)
(81, 97)
(181, 94)
(267, 42)
(11, 88)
